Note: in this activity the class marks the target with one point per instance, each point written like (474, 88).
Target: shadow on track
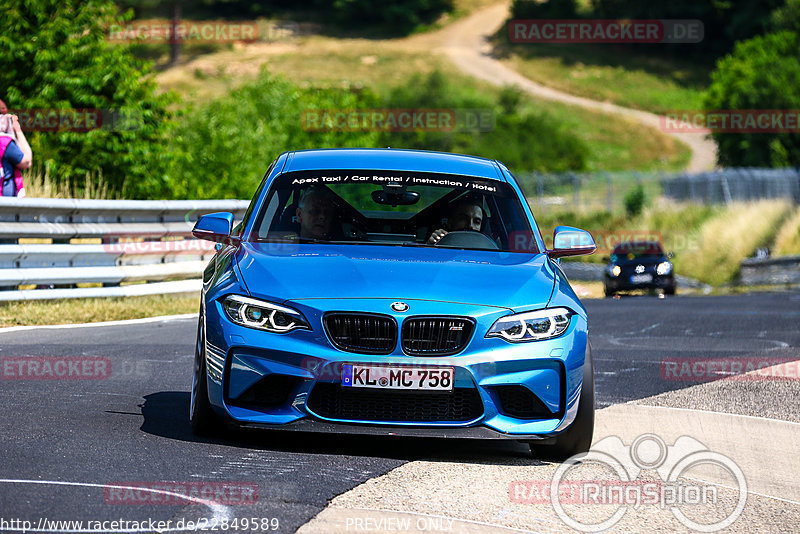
(166, 415)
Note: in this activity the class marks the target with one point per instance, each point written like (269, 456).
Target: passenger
(464, 215)
(315, 213)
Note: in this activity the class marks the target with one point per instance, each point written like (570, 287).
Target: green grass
(787, 242)
(708, 242)
(630, 78)
(729, 237)
(72, 311)
(615, 143)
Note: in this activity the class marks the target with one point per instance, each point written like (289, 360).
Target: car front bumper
(623, 282)
(296, 378)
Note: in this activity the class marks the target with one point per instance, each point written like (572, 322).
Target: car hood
(283, 272)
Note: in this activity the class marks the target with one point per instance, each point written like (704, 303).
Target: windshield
(633, 251)
(394, 208)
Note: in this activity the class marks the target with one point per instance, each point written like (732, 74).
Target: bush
(551, 9)
(634, 201)
(400, 16)
(55, 56)
(224, 147)
(761, 73)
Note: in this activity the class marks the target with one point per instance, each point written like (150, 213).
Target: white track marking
(143, 320)
(220, 511)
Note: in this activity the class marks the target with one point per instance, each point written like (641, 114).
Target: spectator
(15, 155)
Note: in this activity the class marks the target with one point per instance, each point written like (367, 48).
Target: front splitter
(471, 432)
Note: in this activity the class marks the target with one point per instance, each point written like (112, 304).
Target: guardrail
(770, 271)
(115, 243)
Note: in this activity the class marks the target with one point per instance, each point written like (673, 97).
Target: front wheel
(204, 421)
(578, 437)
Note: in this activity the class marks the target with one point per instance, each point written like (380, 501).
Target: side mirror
(670, 255)
(216, 227)
(569, 241)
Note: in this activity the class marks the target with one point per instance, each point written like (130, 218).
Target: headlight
(262, 315)
(664, 267)
(532, 326)
(615, 270)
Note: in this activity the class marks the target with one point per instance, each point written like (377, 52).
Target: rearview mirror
(569, 241)
(395, 198)
(216, 227)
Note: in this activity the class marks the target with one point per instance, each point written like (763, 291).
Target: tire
(578, 437)
(608, 292)
(202, 417)
(669, 290)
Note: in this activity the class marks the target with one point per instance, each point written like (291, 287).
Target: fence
(606, 190)
(116, 248)
(739, 184)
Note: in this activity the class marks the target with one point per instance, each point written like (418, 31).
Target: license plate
(399, 377)
(641, 278)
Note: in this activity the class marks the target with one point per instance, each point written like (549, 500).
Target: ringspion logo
(609, 479)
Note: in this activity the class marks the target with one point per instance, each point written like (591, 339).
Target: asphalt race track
(64, 440)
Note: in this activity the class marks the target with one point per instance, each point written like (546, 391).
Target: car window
(393, 208)
(638, 250)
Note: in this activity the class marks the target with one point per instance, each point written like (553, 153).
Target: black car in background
(638, 265)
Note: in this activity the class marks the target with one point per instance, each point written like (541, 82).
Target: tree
(762, 73)
(56, 57)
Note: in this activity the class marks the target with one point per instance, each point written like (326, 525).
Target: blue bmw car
(393, 292)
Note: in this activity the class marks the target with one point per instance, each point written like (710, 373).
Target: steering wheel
(468, 239)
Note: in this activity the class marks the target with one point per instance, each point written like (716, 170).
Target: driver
(315, 213)
(464, 215)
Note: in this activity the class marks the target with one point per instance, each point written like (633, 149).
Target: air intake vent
(522, 403)
(272, 391)
(364, 333)
(436, 336)
(353, 404)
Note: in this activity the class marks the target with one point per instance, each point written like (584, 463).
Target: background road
(133, 426)
(466, 44)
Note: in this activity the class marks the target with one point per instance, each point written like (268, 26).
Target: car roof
(392, 159)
